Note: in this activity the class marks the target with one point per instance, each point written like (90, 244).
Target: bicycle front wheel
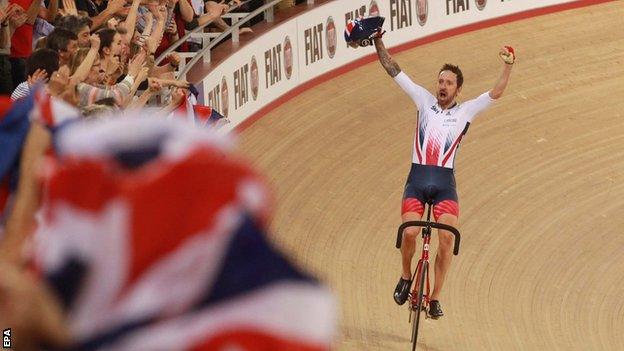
(420, 299)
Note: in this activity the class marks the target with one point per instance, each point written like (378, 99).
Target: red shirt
(166, 40)
(22, 39)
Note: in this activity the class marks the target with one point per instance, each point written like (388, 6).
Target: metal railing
(214, 38)
(197, 30)
(234, 27)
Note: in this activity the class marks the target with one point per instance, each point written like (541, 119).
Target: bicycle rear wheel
(420, 299)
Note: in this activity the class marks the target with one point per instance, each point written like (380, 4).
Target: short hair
(73, 23)
(106, 38)
(45, 59)
(456, 70)
(59, 39)
(110, 102)
(96, 111)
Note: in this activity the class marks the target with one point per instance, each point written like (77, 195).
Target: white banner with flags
(312, 44)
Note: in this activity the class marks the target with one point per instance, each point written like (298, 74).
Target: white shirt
(21, 91)
(439, 131)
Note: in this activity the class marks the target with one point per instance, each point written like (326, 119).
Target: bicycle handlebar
(451, 229)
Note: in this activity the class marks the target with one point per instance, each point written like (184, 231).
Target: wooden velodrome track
(540, 177)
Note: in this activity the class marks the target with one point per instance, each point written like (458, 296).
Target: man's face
(83, 37)
(447, 88)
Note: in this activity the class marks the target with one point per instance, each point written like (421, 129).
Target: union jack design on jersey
(154, 238)
(439, 132)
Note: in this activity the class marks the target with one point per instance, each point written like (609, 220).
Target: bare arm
(167, 70)
(155, 38)
(85, 67)
(104, 16)
(154, 87)
(5, 31)
(385, 59)
(33, 11)
(503, 80)
(186, 10)
(5, 38)
(20, 221)
(131, 21)
(141, 101)
(50, 13)
(213, 14)
(135, 86)
(171, 83)
(52, 10)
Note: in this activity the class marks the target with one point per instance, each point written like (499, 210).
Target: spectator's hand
(70, 7)
(112, 23)
(39, 76)
(154, 86)
(174, 59)
(245, 30)
(58, 86)
(17, 19)
(220, 8)
(134, 67)
(142, 74)
(94, 39)
(161, 13)
(216, 9)
(115, 5)
(151, 45)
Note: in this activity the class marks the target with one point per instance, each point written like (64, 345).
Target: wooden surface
(540, 178)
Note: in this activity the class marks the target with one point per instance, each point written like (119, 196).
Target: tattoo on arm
(386, 60)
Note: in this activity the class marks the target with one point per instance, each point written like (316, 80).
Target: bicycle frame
(424, 259)
(420, 295)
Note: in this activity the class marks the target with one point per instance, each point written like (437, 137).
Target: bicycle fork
(426, 235)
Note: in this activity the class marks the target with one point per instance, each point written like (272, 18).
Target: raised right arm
(385, 59)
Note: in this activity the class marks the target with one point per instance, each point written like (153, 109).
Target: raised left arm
(508, 56)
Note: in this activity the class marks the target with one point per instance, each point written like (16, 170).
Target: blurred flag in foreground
(154, 238)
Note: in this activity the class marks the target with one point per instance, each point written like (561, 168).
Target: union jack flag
(155, 238)
(195, 113)
(15, 119)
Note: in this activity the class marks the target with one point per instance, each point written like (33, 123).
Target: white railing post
(205, 43)
(269, 15)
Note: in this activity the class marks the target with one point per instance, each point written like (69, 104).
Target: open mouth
(442, 94)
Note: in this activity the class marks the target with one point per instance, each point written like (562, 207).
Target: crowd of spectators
(106, 48)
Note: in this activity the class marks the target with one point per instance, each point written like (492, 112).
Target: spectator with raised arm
(22, 38)
(39, 67)
(92, 88)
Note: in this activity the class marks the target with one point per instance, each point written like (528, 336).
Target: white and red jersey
(439, 131)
